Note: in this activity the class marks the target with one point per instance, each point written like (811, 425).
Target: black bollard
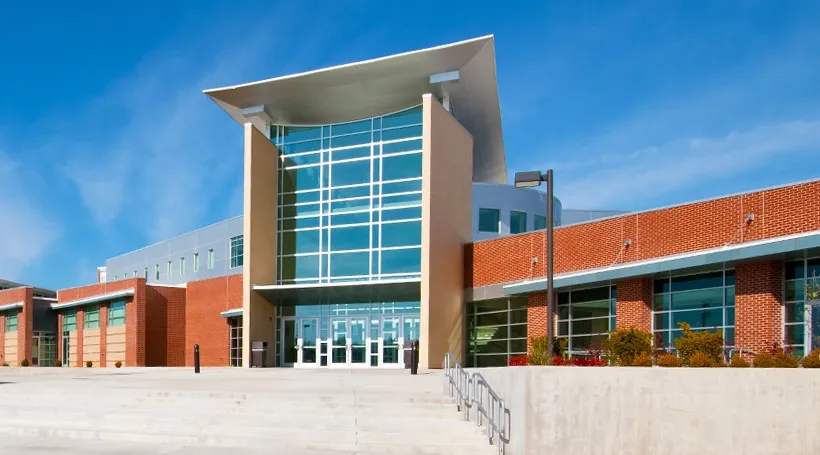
(196, 359)
(414, 357)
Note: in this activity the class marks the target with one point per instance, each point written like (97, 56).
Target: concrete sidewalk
(173, 411)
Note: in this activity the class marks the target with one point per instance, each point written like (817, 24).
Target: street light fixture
(529, 179)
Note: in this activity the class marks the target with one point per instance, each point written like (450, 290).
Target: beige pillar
(447, 191)
(259, 241)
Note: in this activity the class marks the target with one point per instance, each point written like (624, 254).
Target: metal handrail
(470, 390)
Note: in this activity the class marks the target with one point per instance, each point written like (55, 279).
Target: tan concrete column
(447, 192)
(259, 241)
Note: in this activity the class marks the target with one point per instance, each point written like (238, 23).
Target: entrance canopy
(341, 293)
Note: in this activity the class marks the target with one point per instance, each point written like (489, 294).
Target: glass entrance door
(66, 348)
(338, 342)
(290, 343)
(358, 341)
(307, 340)
(390, 341)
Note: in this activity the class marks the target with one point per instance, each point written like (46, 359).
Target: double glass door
(299, 341)
(352, 341)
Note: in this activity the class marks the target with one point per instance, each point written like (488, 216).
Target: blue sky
(107, 143)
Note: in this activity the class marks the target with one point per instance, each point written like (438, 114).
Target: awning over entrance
(338, 293)
(779, 246)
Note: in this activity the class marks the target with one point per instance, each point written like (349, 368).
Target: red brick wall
(758, 305)
(165, 326)
(204, 326)
(691, 227)
(634, 304)
(134, 318)
(25, 321)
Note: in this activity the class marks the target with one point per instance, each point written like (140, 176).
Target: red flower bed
(517, 361)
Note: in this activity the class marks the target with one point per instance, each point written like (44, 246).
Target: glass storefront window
(497, 329)
(801, 318)
(705, 301)
(488, 220)
(585, 316)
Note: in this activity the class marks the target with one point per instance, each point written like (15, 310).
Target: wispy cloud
(25, 231)
(637, 175)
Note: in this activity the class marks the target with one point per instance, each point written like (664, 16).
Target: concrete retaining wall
(573, 410)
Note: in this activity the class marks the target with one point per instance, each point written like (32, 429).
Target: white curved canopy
(384, 85)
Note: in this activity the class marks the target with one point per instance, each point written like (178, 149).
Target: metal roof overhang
(353, 292)
(94, 299)
(778, 246)
(380, 86)
(232, 313)
(11, 306)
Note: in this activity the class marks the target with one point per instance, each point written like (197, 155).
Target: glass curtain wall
(801, 319)
(350, 200)
(585, 316)
(497, 329)
(706, 301)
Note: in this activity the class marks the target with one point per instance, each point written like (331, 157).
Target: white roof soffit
(384, 85)
(11, 306)
(94, 299)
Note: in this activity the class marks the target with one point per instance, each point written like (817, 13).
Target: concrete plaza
(173, 411)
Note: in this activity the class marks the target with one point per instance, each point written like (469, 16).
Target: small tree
(539, 346)
(624, 345)
(705, 341)
(738, 362)
(24, 363)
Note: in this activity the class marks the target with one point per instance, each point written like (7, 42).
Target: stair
(247, 411)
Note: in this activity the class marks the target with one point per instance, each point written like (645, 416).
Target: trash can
(408, 354)
(259, 354)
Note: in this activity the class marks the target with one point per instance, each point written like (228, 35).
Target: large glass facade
(497, 329)
(801, 318)
(705, 301)
(585, 317)
(350, 200)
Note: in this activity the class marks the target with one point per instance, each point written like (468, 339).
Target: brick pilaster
(758, 305)
(537, 316)
(634, 304)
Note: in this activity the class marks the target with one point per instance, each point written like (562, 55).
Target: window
(11, 323)
(211, 258)
(539, 222)
(115, 277)
(488, 220)
(116, 314)
(92, 317)
(156, 271)
(518, 222)
(70, 321)
(182, 266)
(196, 262)
(236, 342)
(801, 319)
(237, 251)
(585, 317)
(145, 273)
(135, 273)
(168, 269)
(497, 329)
(705, 301)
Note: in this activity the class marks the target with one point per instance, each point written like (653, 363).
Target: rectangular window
(196, 262)
(237, 251)
(802, 294)
(585, 317)
(211, 258)
(497, 329)
(135, 273)
(92, 317)
(145, 273)
(518, 222)
(236, 341)
(116, 314)
(168, 269)
(539, 222)
(156, 271)
(70, 321)
(704, 301)
(182, 265)
(11, 323)
(488, 220)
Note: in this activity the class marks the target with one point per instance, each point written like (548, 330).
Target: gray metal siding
(216, 236)
(44, 318)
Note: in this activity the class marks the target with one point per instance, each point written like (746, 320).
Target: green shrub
(624, 345)
(763, 360)
(538, 350)
(118, 364)
(669, 361)
(89, 364)
(812, 360)
(785, 360)
(701, 360)
(24, 363)
(642, 360)
(58, 363)
(738, 362)
(705, 341)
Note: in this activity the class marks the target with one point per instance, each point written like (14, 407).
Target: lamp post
(534, 178)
